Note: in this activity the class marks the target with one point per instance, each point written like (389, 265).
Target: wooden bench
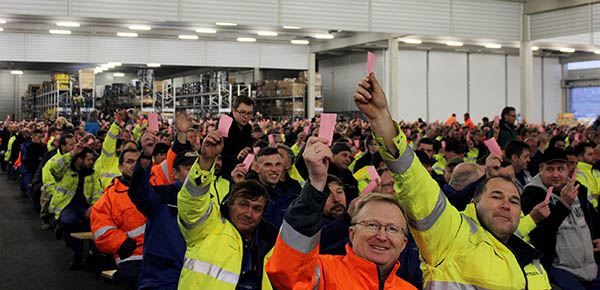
(108, 274)
(83, 236)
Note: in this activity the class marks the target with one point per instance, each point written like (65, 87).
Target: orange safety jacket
(162, 174)
(18, 162)
(469, 124)
(115, 218)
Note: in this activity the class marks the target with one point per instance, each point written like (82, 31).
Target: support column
(256, 74)
(310, 96)
(526, 60)
(393, 99)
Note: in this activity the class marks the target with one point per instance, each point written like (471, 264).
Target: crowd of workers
(275, 205)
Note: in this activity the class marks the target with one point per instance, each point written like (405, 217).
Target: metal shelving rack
(214, 102)
(265, 102)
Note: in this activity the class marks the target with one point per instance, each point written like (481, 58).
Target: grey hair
(461, 178)
(289, 151)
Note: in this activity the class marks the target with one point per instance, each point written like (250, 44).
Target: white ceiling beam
(357, 39)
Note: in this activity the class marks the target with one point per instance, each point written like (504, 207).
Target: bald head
(465, 174)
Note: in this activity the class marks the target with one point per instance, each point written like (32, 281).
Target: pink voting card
(549, 193)
(577, 137)
(327, 127)
(224, 124)
(408, 131)
(356, 143)
(468, 136)
(497, 121)
(574, 174)
(153, 122)
(542, 129)
(492, 145)
(373, 174)
(370, 187)
(270, 139)
(255, 150)
(306, 129)
(444, 144)
(370, 62)
(248, 161)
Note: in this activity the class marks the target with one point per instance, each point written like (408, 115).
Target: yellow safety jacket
(456, 251)
(47, 178)
(106, 168)
(363, 178)
(66, 185)
(472, 155)
(219, 189)
(356, 157)
(9, 149)
(295, 175)
(589, 178)
(50, 145)
(440, 163)
(213, 259)
(296, 149)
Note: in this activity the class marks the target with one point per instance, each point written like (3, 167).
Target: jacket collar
(366, 268)
(584, 166)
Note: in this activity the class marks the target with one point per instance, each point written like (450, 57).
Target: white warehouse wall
(12, 86)
(433, 85)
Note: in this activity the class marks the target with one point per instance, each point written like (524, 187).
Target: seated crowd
(269, 204)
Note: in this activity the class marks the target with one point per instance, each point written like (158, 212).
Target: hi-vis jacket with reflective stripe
(9, 148)
(107, 165)
(115, 218)
(162, 174)
(65, 187)
(589, 178)
(47, 178)
(456, 251)
(213, 259)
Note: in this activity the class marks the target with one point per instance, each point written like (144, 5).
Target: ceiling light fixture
(493, 45)
(67, 24)
(596, 51)
(127, 34)
(300, 41)
(118, 74)
(188, 37)
(2, 21)
(535, 48)
(226, 24)
(114, 64)
(16, 72)
(567, 50)
(58, 31)
(412, 41)
(324, 36)
(140, 27)
(291, 27)
(206, 30)
(246, 39)
(267, 33)
(105, 67)
(454, 43)
(153, 65)
(1, 29)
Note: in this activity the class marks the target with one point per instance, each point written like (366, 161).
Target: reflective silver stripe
(536, 262)
(210, 270)
(165, 170)
(107, 153)
(61, 162)
(64, 191)
(317, 277)
(109, 175)
(517, 232)
(111, 136)
(202, 219)
(438, 168)
(54, 209)
(196, 191)
(131, 258)
(472, 223)
(298, 241)
(136, 232)
(443, 285)
(103, 231)
(581, 173)
(403, 163)
(427, 222)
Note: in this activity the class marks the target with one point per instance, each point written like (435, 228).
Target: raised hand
(540, 212)
(569, 192)
(239, 173)
(148, 142)
(212, 145)
(370, 98)
(317, 156)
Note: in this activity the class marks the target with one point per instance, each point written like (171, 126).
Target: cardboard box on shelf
(319, 103)
(299, 105)
(303, 77)
(160, 85)
(86, 79)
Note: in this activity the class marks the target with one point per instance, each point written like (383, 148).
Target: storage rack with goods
(215, 102)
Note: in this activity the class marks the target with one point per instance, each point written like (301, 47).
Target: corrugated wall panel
(34, 7)
(107, 49)
(154, 10)
(255, 12)
(284, 56)
(447, 85)
(12, 46)
(7, 93)
(537, 92)
(177, 52)
(487, 90)
(55, 48)
(514, 83)
(583, 39)
(411, 16)
(553, 100)
(562, 22)
(487, 19)
(220, 53)
(326, 14)
(412, 85)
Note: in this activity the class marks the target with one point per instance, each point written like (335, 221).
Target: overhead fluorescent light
(114, 64)
(2, 21)
(105, 67)
(1, 29)
(267, 33)
(118, 74)
(206, 30)
(188, 37)
(110, 65)
(226, 24)
(140, 27)
(67, 24)
(153, 65)
(535, 48)
(454, 43)
(291, 27)
(97, 70)
(246, 39)
(300, 41)
(596, 51)
(324, 36)
(567, 50)
(127, 34)
(412, 41)
(58, 31)
(493, 45)
(16, 72)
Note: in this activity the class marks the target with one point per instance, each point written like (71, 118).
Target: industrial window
(589, 64)
(585, 102)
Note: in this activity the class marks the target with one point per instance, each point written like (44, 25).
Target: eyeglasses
(249, 114)
(374, 226)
